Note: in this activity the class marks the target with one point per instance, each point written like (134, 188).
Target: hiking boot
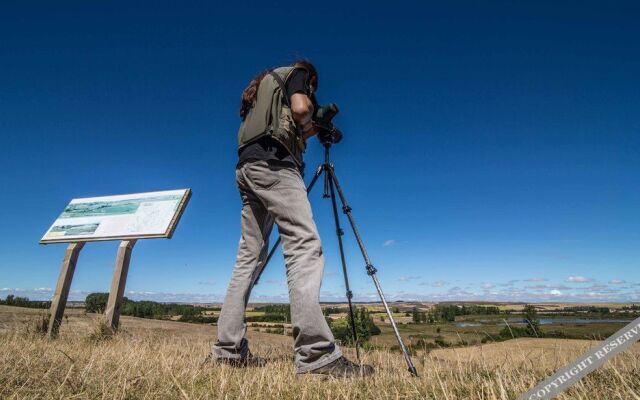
(249, 361)
(343, 368)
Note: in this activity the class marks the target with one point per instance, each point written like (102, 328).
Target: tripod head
(328, 133)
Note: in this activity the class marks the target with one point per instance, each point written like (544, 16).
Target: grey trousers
(275, 192)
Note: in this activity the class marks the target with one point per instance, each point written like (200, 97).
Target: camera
(328, 133)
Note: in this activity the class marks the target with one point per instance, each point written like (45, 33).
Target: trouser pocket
(261, 175)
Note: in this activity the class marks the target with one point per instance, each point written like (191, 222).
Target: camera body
(328, 133)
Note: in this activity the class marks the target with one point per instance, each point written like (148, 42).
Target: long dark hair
(250, 93)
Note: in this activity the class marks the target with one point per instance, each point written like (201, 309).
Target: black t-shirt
(267, 148)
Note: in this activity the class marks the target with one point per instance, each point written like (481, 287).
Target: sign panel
(127, 216)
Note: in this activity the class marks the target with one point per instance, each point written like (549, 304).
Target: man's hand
(302, 111)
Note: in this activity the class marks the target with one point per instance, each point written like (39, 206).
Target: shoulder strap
(282, 87)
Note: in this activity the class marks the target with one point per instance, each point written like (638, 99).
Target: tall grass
(155, 364)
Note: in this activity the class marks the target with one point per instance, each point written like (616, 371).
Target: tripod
(330, 186)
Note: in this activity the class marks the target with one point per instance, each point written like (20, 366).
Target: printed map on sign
(152, 214)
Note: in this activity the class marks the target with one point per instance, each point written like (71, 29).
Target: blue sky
(491, 150)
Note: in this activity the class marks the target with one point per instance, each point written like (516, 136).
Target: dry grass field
(152, 359)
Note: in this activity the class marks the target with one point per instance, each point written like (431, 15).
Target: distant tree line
(97, 302)
(281, 312)
(334, 310)
(12, 300)
(272, 313)
(268, 318)
(587, 309)
(418, 317)
(365, 327)
(531, 329)
(448, 312)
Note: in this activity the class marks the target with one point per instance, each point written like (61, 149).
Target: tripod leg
(349, 294)
(371, 271)
(275, 245)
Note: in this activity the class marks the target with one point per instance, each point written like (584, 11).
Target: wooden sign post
(124, 217)
(59, 301)
(116, 294)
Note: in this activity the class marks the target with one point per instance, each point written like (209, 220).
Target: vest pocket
(287, 134)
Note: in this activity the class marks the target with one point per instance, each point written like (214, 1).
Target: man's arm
(302, 110)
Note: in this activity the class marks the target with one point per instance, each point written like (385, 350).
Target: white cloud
(389, 242)
(488, 285)
(434, 284)
(544, 286)
(555, 293)
(407, 278)
(536, 280)
(141, 293)
(597, 286)
(616, 281)
(578, 279)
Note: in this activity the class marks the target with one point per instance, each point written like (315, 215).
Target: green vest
(271, 116)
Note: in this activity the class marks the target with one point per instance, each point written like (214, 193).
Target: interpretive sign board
(125, 217)
(120, 217)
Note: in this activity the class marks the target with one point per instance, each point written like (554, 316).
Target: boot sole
(324, 377)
